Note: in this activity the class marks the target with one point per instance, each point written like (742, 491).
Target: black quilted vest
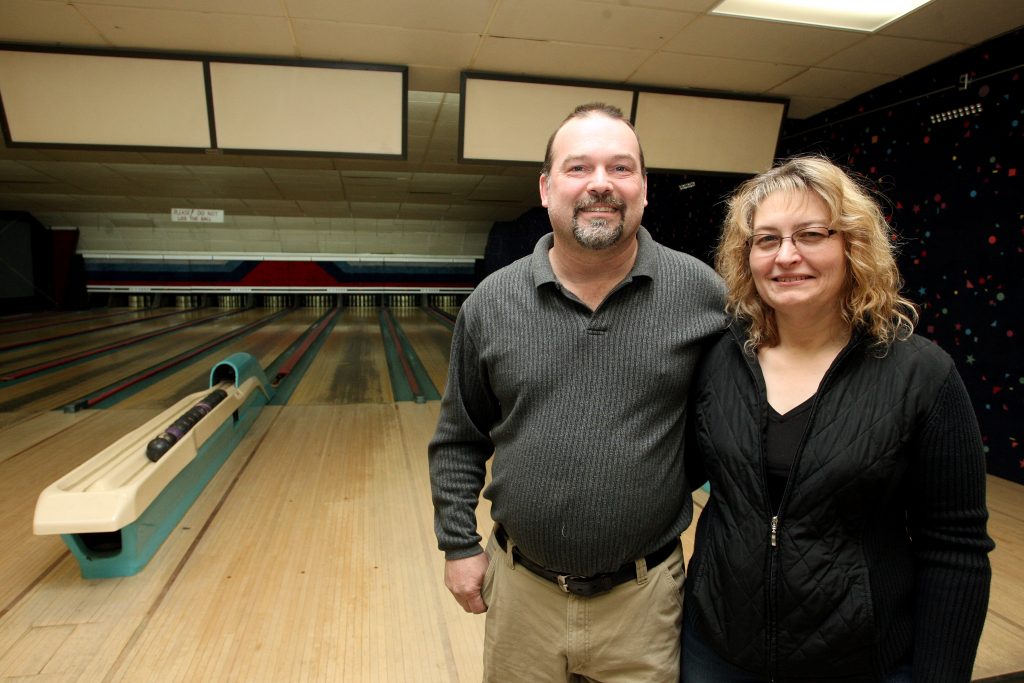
(808, 601)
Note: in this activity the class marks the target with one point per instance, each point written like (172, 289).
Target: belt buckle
(562, 578)
(583, 586)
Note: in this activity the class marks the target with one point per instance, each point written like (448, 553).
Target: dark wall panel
(953, 176)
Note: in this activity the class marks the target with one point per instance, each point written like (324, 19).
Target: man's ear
(544, 190)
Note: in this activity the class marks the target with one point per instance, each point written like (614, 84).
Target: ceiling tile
(319, 178)
(557, 60)
(421, 110)
(294, 223)
(683, 5)
(261, 7)
(761, 41)
(327, 209)
(441, 182)
(460, 16)
(150, 172)
(271, 207)
(420, 129)
(958, 21)
(191, 31)
(307, 194)
(83, 155)
(434, 78)
(383, 44)
(31, 21)
(712, 73)
(512, 189)
(803, 106)
(411, 211)
(831, 83)
(481, 212)
(374, 209)
(892, 55)
(576, 21)
(163, 205)
(22, 172)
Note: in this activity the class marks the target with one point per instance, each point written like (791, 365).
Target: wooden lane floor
(432, 341)
(337, 581)
(19, 320)
(313, 560)
(311, 557)
(61, 322)
(22, 430)
(351, 366)
(264, 344)
(1002, 641)
(14, 359)
(25, 473)
(60, 627)
(57, 388)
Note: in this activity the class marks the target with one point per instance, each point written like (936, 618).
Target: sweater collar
(646, 264)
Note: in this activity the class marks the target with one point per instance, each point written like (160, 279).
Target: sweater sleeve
(947, 523)
(460, 448)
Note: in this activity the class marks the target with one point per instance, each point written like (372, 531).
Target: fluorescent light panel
(855, 15)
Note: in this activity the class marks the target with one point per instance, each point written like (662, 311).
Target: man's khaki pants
(537, 633)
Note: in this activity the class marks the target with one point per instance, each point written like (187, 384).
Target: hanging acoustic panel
(708, 134)
(510, 120)
(54, 98)
(330, 109)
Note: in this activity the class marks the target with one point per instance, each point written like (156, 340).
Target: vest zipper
(772, 609)
(773, 572)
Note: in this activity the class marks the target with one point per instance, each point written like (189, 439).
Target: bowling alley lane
(431, 339)
(54, 389)
(54, 625)
(22, 429)
(265, 344)
(111, 331)
(20, 320)
(37, 464)
(64, 322)
(351, 366)
(319, 566)
(314, 537)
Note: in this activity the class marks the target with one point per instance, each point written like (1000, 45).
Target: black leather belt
(585, 586)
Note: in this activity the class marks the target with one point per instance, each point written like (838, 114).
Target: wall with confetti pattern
(945, 146)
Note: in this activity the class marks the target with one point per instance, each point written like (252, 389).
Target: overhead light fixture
(855, 15)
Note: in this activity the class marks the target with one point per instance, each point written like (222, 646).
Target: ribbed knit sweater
(584, 411)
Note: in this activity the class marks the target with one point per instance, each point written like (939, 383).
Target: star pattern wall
(950, 163)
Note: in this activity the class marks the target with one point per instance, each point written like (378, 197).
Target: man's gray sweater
(584, 411)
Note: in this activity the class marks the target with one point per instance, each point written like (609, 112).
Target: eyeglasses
(806, 240)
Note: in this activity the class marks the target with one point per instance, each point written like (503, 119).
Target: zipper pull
(775, 529)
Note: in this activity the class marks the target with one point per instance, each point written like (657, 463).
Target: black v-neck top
(781, 441)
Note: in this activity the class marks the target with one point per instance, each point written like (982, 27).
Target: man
(572, 367)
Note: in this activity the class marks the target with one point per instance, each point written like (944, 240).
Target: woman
(845, 537)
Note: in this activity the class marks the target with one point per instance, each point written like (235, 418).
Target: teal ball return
(116, 509)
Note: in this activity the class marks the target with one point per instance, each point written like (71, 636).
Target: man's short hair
(583, 111)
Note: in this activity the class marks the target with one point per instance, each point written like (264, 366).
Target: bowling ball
(158, 447)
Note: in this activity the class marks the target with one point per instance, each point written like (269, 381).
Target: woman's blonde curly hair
(872, 300)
